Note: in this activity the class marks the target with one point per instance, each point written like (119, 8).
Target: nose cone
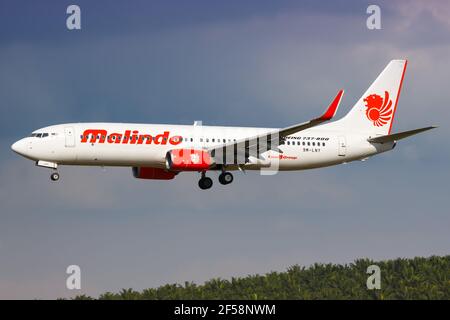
(18, 147)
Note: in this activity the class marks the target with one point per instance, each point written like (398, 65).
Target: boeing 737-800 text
(158, 151)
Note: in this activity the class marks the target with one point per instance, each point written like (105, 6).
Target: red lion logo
(378, 109)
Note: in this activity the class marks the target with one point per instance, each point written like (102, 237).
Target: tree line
(416, 278)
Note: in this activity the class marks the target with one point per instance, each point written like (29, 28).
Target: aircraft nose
(18, 147)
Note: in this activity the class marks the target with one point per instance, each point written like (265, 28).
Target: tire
(205, 183)
(54, 176)
(226, 178)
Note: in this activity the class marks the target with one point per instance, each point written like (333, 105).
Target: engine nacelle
(152, 173)
(188, 160)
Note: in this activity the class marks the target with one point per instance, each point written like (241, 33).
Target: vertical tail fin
(374, 112)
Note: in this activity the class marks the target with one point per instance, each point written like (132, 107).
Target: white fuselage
(127, 144)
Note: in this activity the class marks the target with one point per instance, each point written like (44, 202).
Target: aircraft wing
(254, 145)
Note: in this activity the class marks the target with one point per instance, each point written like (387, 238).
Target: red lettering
(134, 137)
(162, 138)
(114, 138)
(145, 137)
(129, 137)
(175, 140)
(126, 136)
(95, 134)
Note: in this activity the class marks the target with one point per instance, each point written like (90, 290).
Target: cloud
(264, 67)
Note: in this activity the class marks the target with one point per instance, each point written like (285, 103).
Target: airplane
(160, 151)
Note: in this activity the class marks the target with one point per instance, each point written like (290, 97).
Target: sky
(250, 63)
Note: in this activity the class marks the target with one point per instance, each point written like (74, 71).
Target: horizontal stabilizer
(398, 136)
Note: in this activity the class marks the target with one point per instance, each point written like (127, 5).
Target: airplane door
(342, 148)
(70, 136)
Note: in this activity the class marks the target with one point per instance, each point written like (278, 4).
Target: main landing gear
(225, 178)
(206, 182)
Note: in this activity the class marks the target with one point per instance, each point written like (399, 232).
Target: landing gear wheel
(205, 183)
(225, 178)
(54, 176)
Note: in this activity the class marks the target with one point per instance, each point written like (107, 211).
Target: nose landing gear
(54, 176)
(50, 165)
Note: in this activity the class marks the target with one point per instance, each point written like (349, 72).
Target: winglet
(332, 108)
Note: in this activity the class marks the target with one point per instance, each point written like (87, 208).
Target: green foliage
(83, 297)
(418, 278)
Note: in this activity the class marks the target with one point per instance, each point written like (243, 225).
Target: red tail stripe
(398, 95)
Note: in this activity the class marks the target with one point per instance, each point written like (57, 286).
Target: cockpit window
(41, 135)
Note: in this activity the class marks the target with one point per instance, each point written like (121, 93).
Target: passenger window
(309, 143)
(323, 144)
(314, 143)
(298, 143)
